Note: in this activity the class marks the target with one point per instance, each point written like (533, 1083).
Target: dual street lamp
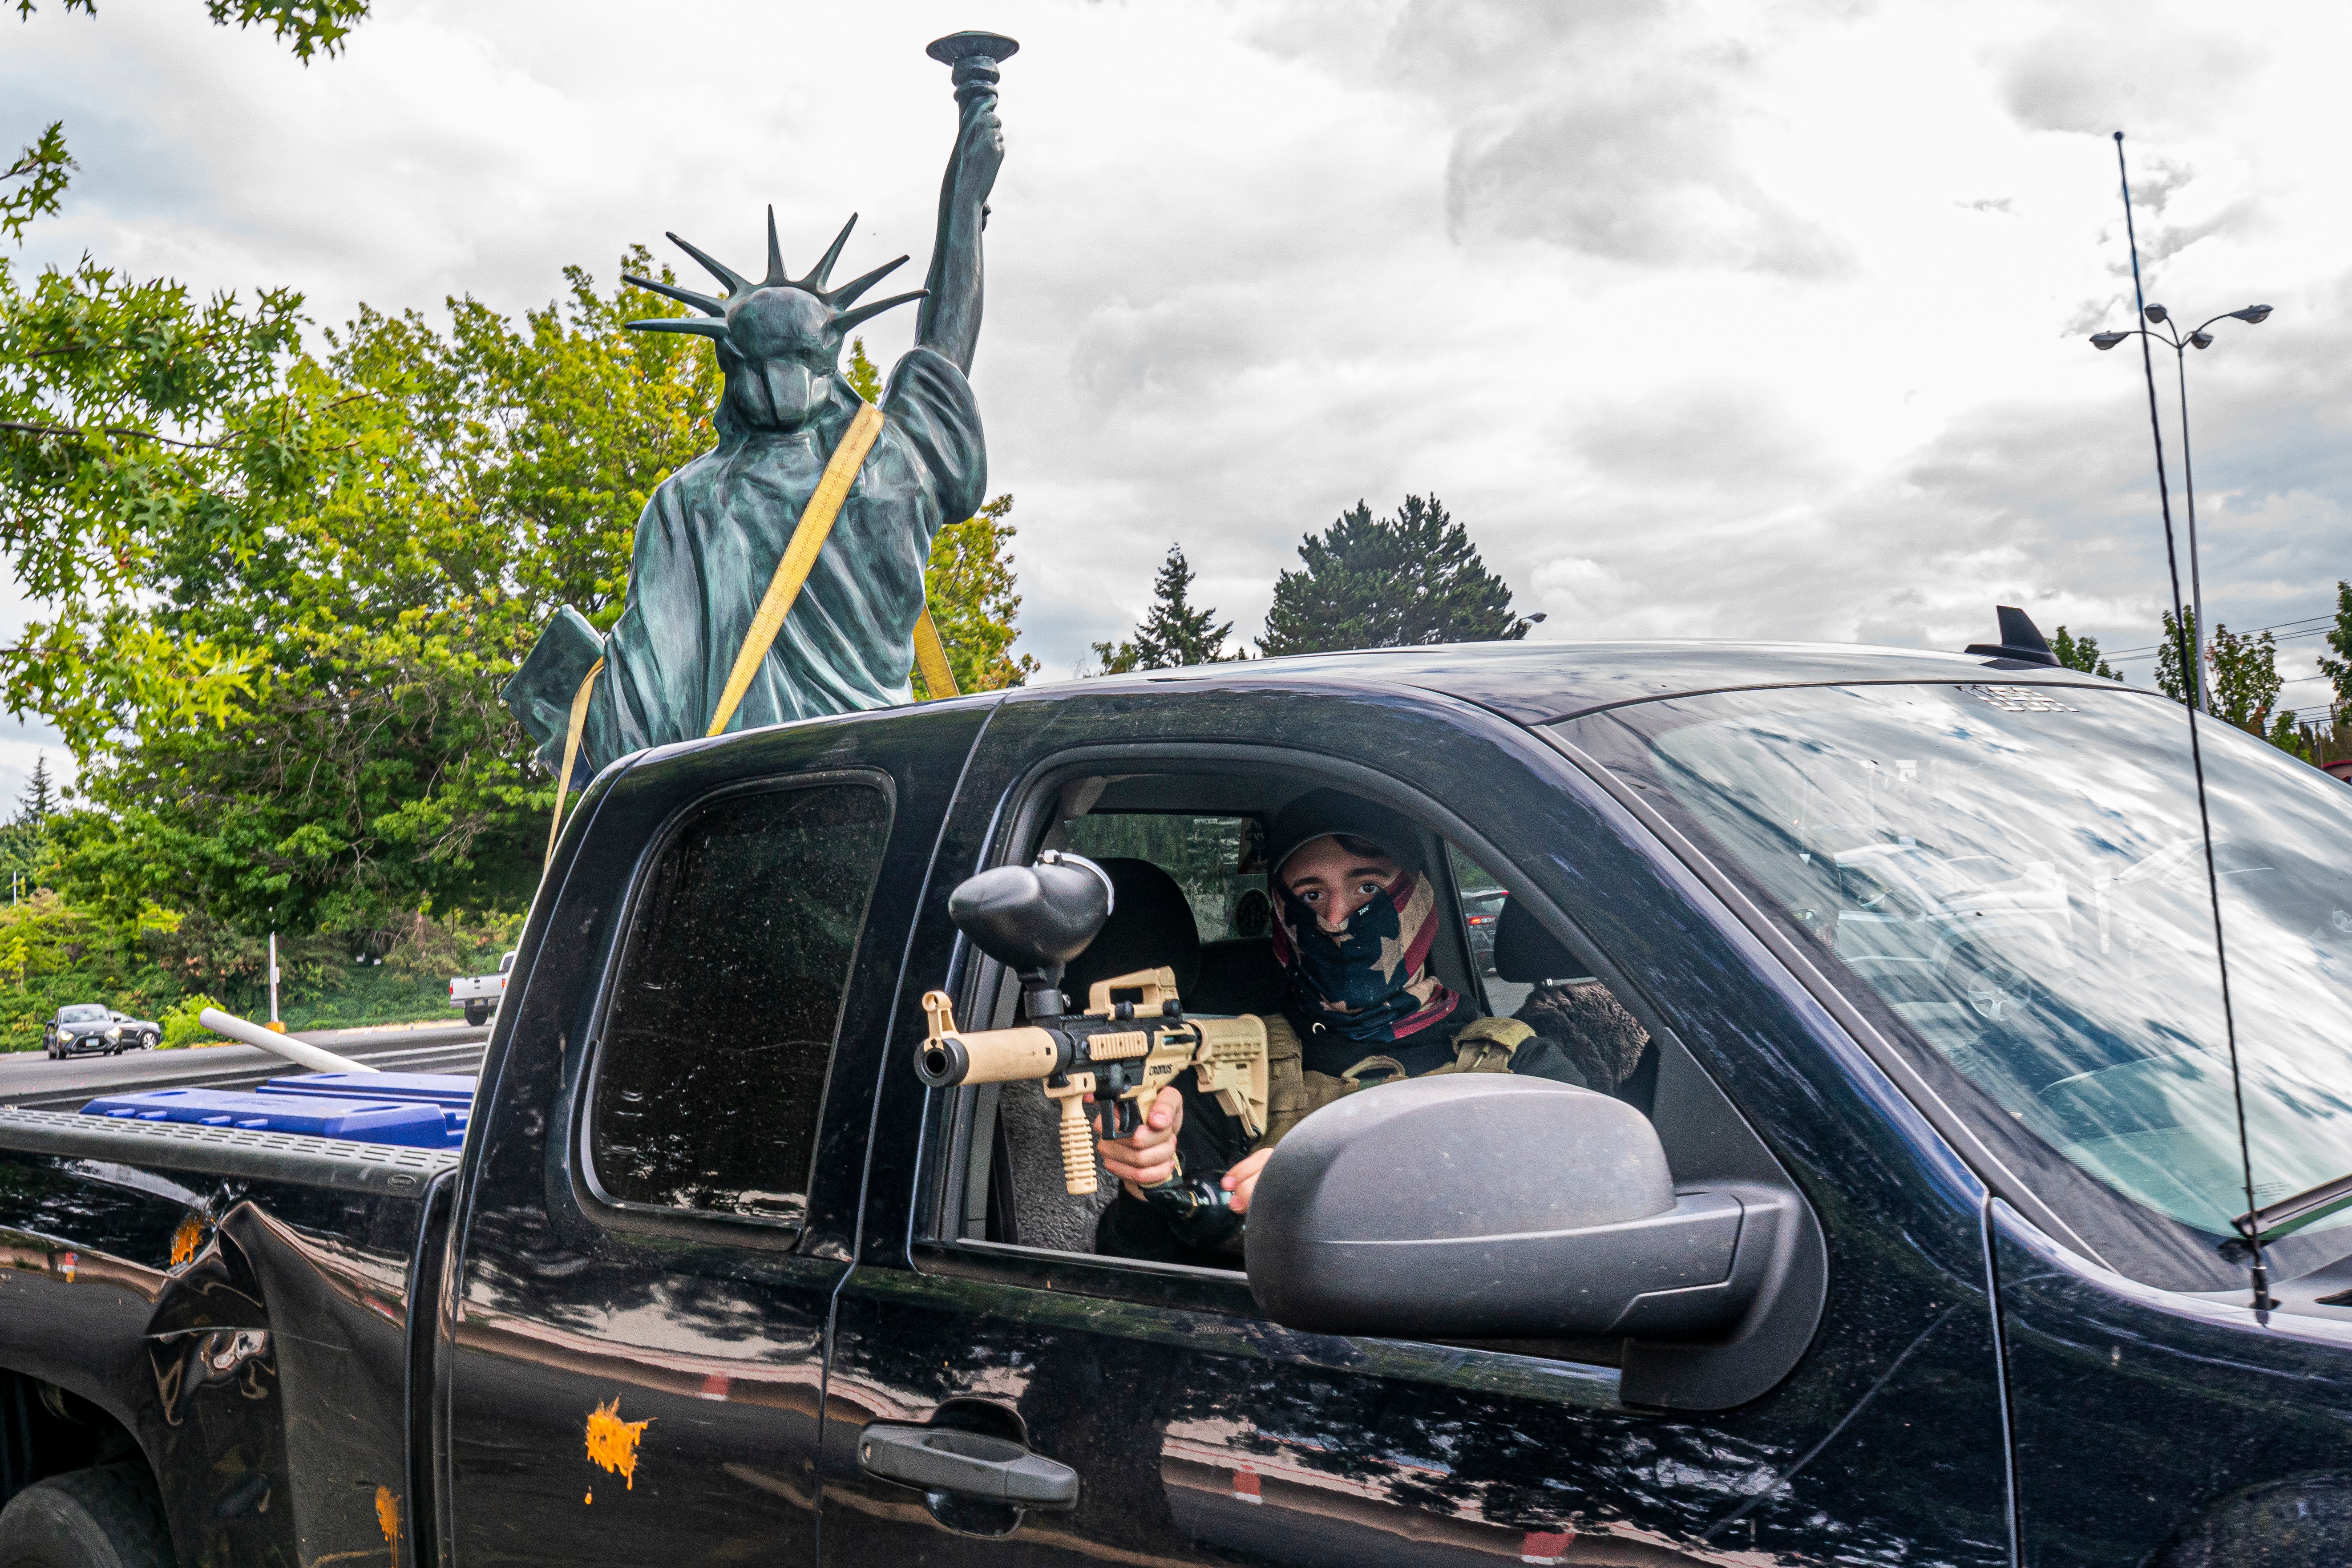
(2199, 339)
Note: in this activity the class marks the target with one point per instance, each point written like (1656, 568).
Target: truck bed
(230, 1298)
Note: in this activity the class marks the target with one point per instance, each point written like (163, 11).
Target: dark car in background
(1482, 913)
(88, 1027)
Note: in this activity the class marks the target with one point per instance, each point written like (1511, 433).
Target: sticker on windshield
(2018, 700)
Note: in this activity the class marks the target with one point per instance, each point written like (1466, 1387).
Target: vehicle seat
(1607, 1043)
(1239, 976)
(1151, 924)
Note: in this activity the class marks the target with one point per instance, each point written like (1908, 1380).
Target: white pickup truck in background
(479, 994)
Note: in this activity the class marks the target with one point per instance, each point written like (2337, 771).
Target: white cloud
(1707, 319)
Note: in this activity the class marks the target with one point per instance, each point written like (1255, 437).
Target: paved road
(29, 1078)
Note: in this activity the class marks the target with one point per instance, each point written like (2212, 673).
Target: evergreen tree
(1392, 581)
(2168, 664)
(39, 800)
(2082, 653)
(1174, 633)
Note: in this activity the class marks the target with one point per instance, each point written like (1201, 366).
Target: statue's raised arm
(949, 324)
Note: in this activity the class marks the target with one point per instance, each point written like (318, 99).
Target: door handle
(970, 1464)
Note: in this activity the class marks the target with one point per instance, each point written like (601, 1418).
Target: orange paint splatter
(612, 1442)
(387, 1519)
(187, 1239)
(588, 1500)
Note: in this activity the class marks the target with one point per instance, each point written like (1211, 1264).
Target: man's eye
(1368, 889)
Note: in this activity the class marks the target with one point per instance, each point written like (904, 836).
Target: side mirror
(1034, 919)
(1484, 1206)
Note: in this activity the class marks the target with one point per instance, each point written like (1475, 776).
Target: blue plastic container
(451, 1091)
(413, 1124)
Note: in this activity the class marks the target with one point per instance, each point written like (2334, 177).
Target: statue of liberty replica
(780, 575)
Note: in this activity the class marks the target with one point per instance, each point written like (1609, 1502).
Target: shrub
(180, 1022)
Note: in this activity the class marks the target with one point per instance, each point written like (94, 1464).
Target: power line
(2323, 624)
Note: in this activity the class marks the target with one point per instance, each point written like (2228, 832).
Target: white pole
(285, 1046)
(273, 983)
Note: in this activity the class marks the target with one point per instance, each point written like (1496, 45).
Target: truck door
(650, 1232)
(1197, 1431)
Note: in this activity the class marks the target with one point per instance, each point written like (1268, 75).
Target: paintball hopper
(1034, 919)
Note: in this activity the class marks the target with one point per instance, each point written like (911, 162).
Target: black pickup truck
(1928, 1241)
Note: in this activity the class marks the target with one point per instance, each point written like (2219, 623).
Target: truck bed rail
(226, 1151)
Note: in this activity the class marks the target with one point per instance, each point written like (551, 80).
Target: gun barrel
(988, 1055)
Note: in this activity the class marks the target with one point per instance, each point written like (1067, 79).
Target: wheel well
(45, 1431)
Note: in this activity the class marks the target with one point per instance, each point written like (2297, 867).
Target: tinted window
(715, 1046)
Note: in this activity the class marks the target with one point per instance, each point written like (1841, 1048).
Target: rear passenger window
(713, 1063)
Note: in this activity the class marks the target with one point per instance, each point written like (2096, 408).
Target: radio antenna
(2192, 675)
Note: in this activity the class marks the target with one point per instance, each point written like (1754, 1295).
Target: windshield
(84, 1015)
(2016, 875)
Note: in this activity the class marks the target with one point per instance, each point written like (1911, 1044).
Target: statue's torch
(974, 58)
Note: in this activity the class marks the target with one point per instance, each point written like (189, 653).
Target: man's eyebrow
(1355, 871)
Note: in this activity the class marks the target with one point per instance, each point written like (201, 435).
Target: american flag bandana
(1368, 982)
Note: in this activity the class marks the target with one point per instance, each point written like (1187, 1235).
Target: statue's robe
(707, 547)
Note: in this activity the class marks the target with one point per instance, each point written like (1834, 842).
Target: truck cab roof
(1536, 683)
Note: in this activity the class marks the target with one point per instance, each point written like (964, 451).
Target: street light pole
(2199, 339)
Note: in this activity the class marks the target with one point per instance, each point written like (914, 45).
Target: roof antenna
(2250, 1227)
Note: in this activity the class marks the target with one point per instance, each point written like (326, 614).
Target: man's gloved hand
(1147, 1156)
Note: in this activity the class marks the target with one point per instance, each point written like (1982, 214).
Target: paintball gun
(1106, 1065)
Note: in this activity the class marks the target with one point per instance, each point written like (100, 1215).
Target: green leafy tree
(1392, 581)
(308, 27)
(2243, 679)
(973, 607)
(2338, 669)
(1120, 658)
(1175, 632)
(969, 582)
(2082, 653)
(459, 484)
(39, 177)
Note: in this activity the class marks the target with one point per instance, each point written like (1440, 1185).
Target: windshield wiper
(2288, 1216)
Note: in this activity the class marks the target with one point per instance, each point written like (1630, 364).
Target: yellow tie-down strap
(799, 555)
(932, 657)
(570, 752)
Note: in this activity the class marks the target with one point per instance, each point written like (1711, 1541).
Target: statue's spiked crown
(759, 319)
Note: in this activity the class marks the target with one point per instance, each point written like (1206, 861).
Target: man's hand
(1241, 1180)
(1147, 1156)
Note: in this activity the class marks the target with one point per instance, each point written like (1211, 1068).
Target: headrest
(1151, 924)
(1525, 953)
(1322, 811)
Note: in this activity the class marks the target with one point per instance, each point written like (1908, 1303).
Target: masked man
(1354, 922)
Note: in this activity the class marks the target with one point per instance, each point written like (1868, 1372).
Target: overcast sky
(1715, 321)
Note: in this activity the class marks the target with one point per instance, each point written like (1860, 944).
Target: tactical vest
(1293, 1092)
